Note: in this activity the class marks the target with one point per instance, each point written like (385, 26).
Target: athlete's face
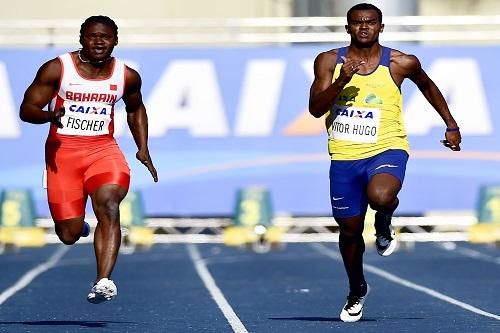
(364, 26)
(98, 41)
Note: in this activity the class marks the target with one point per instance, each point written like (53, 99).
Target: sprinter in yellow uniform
(358, 88)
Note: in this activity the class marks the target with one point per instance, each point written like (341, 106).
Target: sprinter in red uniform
(81, 155)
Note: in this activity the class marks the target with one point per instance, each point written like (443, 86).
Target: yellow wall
(459, 7)
(71, 9)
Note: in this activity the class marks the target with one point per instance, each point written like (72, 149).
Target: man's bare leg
(107, 238)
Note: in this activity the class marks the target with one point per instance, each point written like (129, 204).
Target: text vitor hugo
(355, 124)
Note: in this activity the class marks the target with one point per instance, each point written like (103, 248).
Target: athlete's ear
(80, 40)
(347, 29)
(382, 27)
(116, 41)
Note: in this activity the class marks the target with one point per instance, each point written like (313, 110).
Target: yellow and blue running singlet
(366, 119)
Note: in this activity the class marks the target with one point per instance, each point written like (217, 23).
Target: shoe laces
(384, 231)
(384, 237)
(352, 300)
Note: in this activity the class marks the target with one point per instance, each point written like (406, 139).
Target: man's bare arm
(412, 69)
(323, 92)
(137, 119)
(39, 94)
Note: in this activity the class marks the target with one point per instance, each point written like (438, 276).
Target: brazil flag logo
(371, 98)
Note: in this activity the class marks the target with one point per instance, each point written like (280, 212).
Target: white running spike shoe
(353, 308)
(103, 290)
(385, 241)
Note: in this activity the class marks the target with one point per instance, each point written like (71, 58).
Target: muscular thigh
(66, 195)
(348, 188)
(386, 171)
(107, 167)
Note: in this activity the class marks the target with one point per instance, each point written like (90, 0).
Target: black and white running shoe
(353, 308)
(385, 241)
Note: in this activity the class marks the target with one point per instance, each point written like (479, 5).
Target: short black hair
(364, 6)
(99, 19)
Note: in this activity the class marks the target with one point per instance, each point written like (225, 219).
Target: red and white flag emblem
(113, 87)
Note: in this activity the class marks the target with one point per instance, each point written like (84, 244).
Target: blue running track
(450, 287)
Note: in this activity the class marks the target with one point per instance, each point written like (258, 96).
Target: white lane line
(215, 292)
(391, 277)
(33, 273)
(451, 246)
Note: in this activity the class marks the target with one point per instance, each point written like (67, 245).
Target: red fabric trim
(124, 78)
(117, 178)
(67, 210)
(73, 57)
(60, 78)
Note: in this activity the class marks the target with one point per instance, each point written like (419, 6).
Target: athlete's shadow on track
(332, 318)
(82, 323)
(314, 319)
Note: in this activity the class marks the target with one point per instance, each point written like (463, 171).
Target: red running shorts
(75, 172)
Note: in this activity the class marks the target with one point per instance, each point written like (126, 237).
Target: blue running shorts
(349, 180)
